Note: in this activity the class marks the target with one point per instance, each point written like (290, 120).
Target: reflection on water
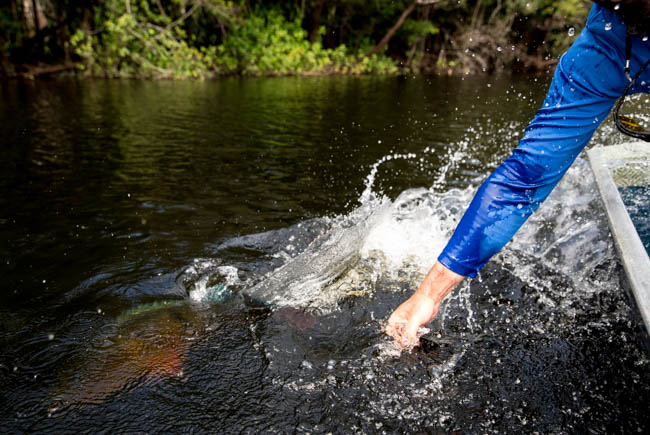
(135, 215)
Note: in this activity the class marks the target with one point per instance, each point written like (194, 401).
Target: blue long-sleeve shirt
(587, 82)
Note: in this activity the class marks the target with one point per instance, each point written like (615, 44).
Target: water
(135, 215)
(637, 203)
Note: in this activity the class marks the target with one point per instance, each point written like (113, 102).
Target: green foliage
(139, 42)
(418, 29)
(183, 39)
(267, 44)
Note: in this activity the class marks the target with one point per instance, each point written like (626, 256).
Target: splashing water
(378, 238)
(399, 240)
(303, 278)
(333, 281)
(211, 282)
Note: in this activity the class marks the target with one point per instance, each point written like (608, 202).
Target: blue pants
(587, 82)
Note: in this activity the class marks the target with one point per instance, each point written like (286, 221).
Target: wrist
(439, 282)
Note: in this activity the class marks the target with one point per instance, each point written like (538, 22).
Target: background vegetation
(202, 38)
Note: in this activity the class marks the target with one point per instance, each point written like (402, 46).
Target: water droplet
(379, 141)
(519, 206)
(572, 31)
(617, 7)
(645, 38)
(50, 337)
(608, 26)
(499, 49)
(99, 310)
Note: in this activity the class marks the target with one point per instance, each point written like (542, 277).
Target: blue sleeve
(587, 81)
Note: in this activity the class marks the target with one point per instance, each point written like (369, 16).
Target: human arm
(587, 82)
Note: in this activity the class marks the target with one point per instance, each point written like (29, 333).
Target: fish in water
(147, 344)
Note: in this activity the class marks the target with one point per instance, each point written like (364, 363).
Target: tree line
(205, 38)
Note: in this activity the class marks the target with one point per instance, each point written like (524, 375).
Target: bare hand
(415, 312)
(422, 307)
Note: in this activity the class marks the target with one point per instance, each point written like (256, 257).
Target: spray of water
(378, 238)
(399, 240)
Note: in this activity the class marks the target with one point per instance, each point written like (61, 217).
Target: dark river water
(637, 202)
(134, 215)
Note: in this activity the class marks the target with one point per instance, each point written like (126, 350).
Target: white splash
(401, 240)
(206, 273)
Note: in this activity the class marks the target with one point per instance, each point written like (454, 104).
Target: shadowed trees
(202, 38)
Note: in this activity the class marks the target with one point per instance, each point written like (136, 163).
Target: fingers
(398, 325)
(402, 332)
(394, 326)
(410, 334)
(403, 325)
(397, 320)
